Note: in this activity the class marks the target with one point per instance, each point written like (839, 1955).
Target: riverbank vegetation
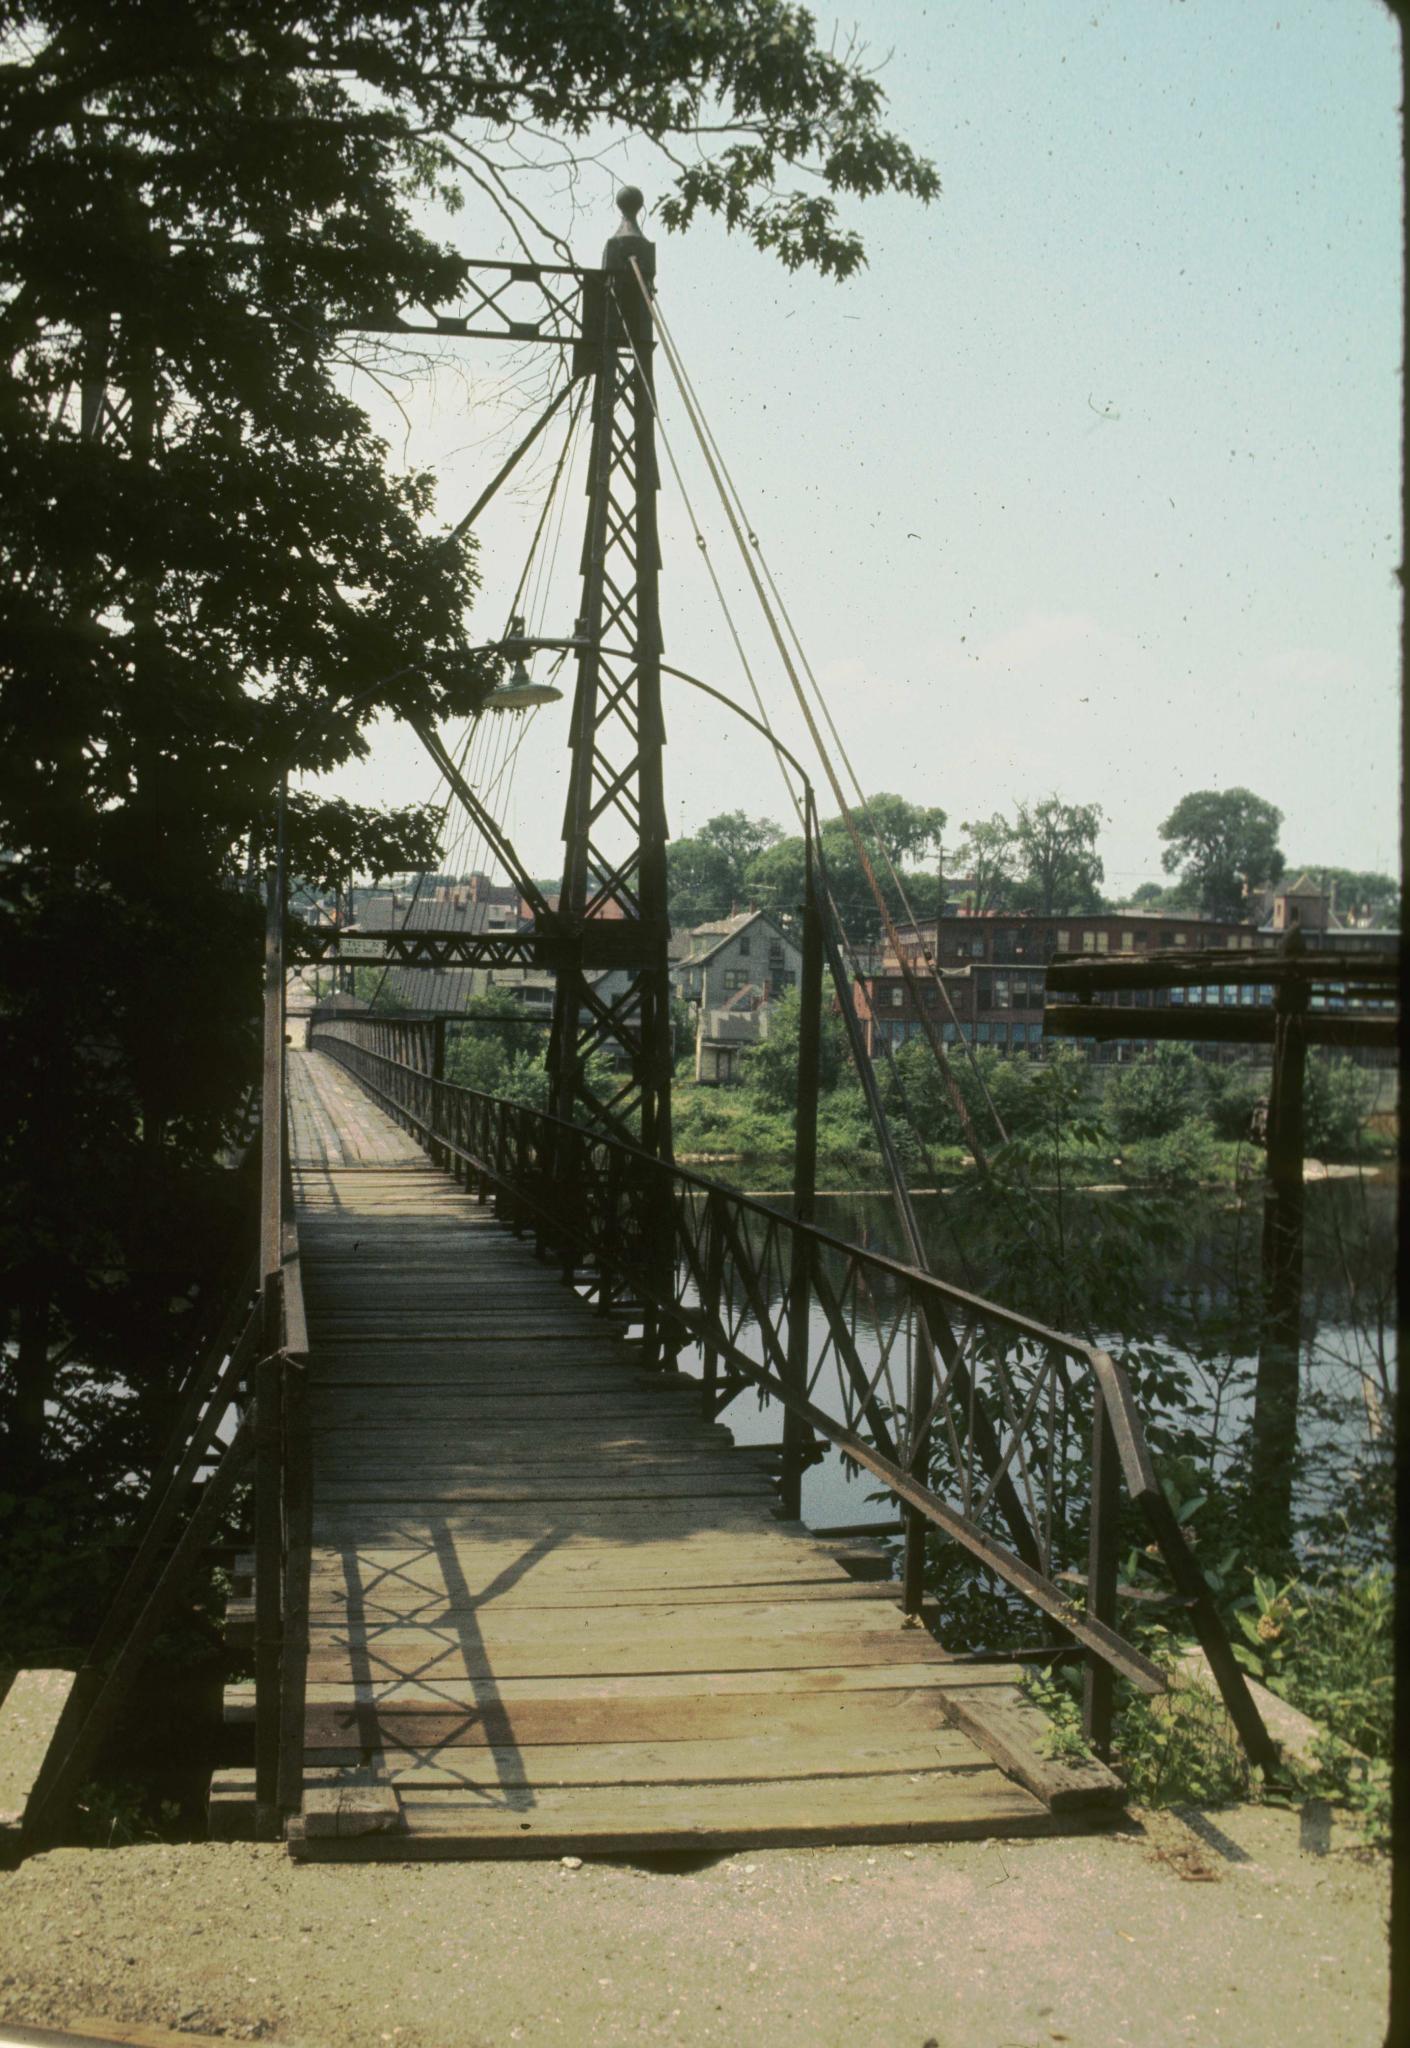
(1169, 1119)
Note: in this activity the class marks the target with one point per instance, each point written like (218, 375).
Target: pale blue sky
(1133, 381)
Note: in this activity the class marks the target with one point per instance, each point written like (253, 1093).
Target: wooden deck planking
(551, 1607)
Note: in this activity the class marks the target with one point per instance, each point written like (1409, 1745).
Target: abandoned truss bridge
(513, 1588)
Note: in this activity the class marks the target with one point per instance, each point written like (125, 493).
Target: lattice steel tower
(612, 1005)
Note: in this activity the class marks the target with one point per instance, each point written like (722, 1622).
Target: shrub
(1232, 1095)
(1156, 1095)
(1334, 1108)
(1183, 1158)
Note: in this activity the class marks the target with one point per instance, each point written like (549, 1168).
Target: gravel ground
(1243, 1929)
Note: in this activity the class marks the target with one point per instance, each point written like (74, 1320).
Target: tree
(211, 574)
(1059, 869)
(987, 857)
(902, 831)
(1156, 1094)
(1178, 896)
(890, 826)
(708, 871)
(1224, 844)
(771, 1066)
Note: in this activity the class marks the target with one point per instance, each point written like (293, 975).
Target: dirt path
(1095, 1942)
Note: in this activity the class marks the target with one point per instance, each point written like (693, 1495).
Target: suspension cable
(848, 819)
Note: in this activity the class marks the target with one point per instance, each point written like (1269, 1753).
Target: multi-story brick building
(994, 969)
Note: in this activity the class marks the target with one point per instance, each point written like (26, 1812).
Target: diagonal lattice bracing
(610, 1054)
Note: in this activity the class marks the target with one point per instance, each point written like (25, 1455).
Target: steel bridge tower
(610, 1053)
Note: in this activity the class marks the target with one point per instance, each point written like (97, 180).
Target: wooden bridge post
(797, 1437)
(1274, 1449)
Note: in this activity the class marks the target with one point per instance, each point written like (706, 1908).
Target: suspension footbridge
(513, 1588)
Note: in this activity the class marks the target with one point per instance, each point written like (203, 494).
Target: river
(1191, 1267)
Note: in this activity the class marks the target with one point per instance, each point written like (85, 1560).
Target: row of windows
(776, 954)
(1228, 996)
(1023, 1036)
(737, 978)
(1010, 991)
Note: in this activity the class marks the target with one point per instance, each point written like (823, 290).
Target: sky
(1087, 484)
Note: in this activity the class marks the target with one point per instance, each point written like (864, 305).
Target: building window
(783, 979)
(898, 996)
(983, 1032)
(742, 948)
(1089, 942)
(1001, 991)
(1062, 941)
(1128, 942)
(976, 949)
(1181, 938)
(1001, 1035)
(736, 978)
(950, 1034)
(985, 991)
(1103, 942)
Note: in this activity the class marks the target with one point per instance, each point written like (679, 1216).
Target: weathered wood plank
(494, 1771)
(1012, 1730)
(836, 1721)
(618, 1820)
(621, 1690)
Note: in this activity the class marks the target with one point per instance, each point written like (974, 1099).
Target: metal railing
(1014, 1440)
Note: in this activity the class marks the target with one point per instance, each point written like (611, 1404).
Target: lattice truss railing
(539, 302)
(1011, 1439)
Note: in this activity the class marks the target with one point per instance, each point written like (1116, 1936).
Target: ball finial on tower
(628, 245)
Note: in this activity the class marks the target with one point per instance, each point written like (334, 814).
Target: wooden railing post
(797, 1436)
(1103, 1558)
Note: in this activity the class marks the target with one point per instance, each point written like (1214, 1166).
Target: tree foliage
(708, 871)
(988, 861)
(1060, 871)
(890, 828)
(212, 573)
(1224, 844)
